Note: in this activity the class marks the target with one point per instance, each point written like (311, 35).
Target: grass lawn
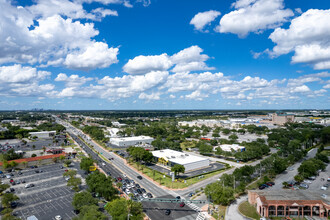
(221, 213)
(187, 144)
(167, 181)
(248, 210)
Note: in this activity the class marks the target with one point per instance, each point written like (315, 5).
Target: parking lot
(47, 198)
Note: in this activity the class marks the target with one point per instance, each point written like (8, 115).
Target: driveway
(232, 210)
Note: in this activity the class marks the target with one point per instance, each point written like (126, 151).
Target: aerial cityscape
(164, 110)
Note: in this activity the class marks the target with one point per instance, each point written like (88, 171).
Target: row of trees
(95, 132)
(101, 186)
(139, 154)
(6, 201)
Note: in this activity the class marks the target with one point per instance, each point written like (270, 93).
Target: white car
(124, 175)
(103, 164)
(8, 176)
(324, 188)
(145, 195)
(307, 181)
(127, 191)
(58, 217)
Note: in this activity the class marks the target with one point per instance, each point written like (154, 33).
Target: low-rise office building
(231, 147)
(131, 141)
(294, 203)
(43, 134)
(169, 158)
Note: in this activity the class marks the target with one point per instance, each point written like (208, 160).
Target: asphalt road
(117, 168)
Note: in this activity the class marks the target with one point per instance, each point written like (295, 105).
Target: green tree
(219, 194)
(74, 182)
(62, 157)
(3, 187)
(83, 199)
(177, 168)
(7, 199)
(67, 163)
(101, 184)
(90, 212)
(70, 173)
(118, 209)
(13, 164)
(85, 163)
(298, 178)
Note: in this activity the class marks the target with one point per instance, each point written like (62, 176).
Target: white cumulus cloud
(308, 36)
(254, 16)
(201, 19)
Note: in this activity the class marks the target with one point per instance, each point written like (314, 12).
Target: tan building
(294, 203)
(279, 118)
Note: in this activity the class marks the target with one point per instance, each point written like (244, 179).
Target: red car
(11, 180)
(182, 204)
(119, 179)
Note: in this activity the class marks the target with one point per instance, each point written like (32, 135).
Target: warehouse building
(169, 158)
(43, 134)
(131, 141)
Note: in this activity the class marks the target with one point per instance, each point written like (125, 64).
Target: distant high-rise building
(279, 118)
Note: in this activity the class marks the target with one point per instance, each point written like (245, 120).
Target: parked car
(139, 177)
(328, 179)
(311, 178)
(307, 181)
(139, 191)
(324, 188)
(182, 204)
(167, 212)
(178, 197)
(261, 187)
(137, 185)
(13, 204)
(119, 178)
(304, 185)
(58, 217)
(143, 190)
(272, 183)
(145, 195)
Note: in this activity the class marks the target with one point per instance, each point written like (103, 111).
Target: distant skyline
(164, 54)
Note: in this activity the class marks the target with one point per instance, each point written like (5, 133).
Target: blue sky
(157, 54)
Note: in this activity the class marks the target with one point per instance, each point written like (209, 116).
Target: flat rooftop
(289, 195)
(177, 157)
(137, 138)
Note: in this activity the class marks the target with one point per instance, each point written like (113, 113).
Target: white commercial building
(131, 141)
(190, 162)
(43, 134)
(230, 147)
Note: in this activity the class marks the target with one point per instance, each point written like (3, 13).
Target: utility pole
(234, 184)
(260, 169)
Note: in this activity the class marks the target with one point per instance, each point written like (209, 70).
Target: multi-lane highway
(117, 168)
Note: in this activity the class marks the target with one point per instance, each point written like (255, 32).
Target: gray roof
(294, 195)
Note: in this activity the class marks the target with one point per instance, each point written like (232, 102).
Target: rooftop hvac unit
(173, 156)
(187, 154)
